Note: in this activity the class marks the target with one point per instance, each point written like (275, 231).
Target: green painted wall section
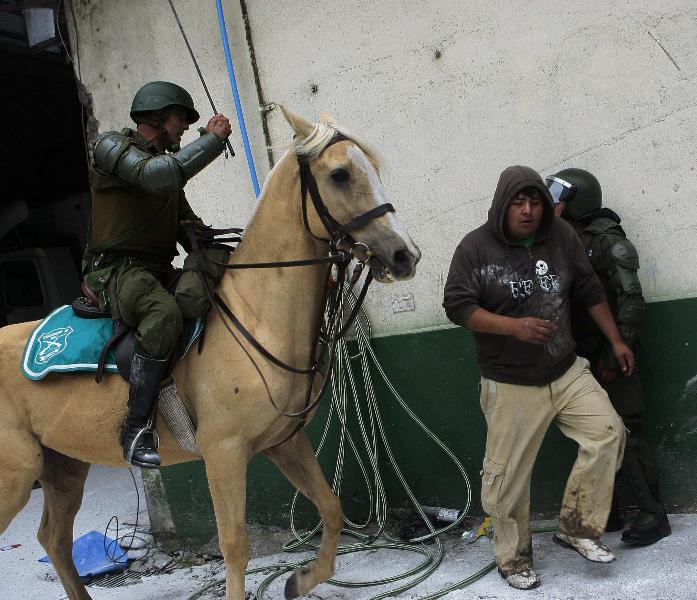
(436, 374)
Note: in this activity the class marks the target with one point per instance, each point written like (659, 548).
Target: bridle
(341, 252)
(339, 234)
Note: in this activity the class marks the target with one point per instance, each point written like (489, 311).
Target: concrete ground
(664, 571)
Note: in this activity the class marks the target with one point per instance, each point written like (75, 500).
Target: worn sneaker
(525, 580)
(593, 550)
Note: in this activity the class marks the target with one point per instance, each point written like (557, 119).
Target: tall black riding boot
(138, 435)
(651, 523)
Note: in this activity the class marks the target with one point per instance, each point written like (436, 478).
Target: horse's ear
(327, 119)
(302, 127)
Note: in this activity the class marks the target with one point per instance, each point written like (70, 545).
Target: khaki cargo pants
(517, 418)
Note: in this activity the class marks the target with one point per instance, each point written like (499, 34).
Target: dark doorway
(44, 194)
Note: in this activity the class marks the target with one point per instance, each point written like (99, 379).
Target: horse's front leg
(226, 469)
(296, 459)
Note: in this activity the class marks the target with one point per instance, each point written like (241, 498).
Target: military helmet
(579, 189)
(157, 95)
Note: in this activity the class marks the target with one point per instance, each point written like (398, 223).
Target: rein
(334, 329)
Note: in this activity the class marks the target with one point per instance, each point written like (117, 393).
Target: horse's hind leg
(63, 481)
(296, 459)
(20, 467)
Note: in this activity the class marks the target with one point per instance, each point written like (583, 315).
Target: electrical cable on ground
(110, 552)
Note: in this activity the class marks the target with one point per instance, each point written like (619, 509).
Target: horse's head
(345, 173)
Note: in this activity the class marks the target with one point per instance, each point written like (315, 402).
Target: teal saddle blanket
(64, 342)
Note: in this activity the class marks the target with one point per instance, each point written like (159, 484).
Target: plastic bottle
(442, 515)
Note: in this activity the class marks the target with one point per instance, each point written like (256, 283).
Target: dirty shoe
(591, 549)
(525, 580)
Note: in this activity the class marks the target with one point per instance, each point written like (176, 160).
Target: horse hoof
(291, 590)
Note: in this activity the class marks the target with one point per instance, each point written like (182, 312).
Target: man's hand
(535, 331)
(220, 125)
(624, 356)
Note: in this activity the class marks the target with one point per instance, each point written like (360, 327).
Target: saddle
(124, 338)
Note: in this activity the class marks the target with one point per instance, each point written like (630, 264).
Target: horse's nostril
(402, 257)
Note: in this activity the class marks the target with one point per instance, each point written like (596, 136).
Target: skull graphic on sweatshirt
(541, 268)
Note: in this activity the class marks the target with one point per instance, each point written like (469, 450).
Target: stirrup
(142, 431)
(146, 429)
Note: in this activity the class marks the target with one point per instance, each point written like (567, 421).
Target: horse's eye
(340, 175)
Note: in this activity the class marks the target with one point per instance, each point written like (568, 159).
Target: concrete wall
(450, 92)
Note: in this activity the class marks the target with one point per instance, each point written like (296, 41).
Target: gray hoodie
(490, 271)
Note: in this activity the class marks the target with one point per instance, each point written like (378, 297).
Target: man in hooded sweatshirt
(510, 282)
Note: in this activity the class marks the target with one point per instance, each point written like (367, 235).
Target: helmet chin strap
(163, 132)
(159, 124)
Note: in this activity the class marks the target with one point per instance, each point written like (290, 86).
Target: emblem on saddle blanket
(52, 343)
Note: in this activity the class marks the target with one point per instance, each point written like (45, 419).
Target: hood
(511, 181)
(601, 213)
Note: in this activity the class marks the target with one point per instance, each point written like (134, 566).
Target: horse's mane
(312, 146)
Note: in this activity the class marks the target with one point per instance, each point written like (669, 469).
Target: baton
(198, 70)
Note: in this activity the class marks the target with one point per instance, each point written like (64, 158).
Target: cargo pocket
(492, 480)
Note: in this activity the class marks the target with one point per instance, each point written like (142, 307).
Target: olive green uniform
(138, 212)
(133, 239)
(616, 262)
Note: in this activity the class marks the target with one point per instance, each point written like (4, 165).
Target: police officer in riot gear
(138, 211)
(578, 199)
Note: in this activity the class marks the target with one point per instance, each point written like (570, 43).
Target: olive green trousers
(517, 418)
(156, 314)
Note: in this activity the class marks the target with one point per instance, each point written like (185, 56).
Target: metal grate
(117, 580)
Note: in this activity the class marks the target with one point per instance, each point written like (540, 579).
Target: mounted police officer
(137, 180)
(578, 199)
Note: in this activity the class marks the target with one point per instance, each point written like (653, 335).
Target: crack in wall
(608, 142)
(664, 50)
(618, 137)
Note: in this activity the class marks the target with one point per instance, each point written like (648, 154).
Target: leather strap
(120, 329)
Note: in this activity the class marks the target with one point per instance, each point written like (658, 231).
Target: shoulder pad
(625, 254)
(161, 175)
(603, 225)
(108, 149)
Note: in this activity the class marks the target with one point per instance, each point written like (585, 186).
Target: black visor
(561, 191)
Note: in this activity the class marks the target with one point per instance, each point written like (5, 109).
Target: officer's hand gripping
(220, 126)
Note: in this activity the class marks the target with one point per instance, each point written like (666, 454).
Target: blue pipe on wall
(236, 96)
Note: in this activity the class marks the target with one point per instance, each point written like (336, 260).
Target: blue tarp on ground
(90, 557)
